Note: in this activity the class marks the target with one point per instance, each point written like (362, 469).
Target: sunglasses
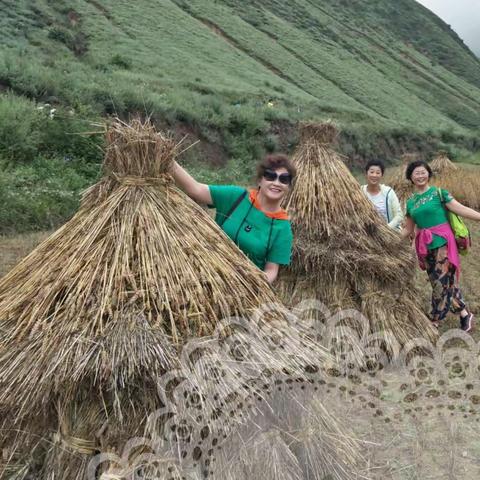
(283, 178)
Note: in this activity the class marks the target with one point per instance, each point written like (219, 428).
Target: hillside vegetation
(236, 75)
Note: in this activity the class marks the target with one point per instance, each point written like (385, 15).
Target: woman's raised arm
(195, 190)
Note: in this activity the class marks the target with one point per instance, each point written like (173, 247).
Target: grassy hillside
(237, 75)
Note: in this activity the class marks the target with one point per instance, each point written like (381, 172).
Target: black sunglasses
(271, 176)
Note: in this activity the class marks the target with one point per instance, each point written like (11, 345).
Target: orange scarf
(279, 215)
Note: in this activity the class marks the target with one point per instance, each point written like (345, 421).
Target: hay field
(440, 447)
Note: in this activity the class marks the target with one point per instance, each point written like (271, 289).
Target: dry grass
(15, 248)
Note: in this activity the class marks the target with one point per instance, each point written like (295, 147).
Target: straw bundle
(130, 272)
(345, 253)
(304, 441)
(441, 164)
(108, 304)
(463, 184)
(336, 228)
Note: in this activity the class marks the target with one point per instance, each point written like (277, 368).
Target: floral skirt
(446, 296)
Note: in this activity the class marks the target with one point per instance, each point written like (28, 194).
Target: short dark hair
(375, 163)
(275, 161)
(413, 165)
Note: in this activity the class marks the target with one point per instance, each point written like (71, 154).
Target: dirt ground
(401, 440)
(14, 248)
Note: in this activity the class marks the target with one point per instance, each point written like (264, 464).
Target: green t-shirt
(426, 210)
(261, 238)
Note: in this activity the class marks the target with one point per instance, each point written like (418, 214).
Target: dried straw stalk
(463, 184)
(304, 442)
(336, 228)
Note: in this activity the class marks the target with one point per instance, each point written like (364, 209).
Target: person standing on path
(435, 242)
(383, 197)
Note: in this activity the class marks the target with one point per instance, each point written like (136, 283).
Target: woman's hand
(271, 271)
(195, 190)
(463, 211)
(409, 228)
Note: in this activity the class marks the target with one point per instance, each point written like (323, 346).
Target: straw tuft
(318, 132)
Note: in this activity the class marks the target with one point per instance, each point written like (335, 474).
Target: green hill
(237, 75)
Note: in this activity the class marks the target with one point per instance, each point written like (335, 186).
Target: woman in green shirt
(253, 219)
(435, 242)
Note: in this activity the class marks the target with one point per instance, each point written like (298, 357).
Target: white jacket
(394, 210)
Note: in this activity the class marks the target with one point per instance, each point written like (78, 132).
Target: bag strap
(234, 207)
(387, 207)
(440, 194)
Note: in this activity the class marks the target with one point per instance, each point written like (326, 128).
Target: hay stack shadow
(96, 317)
(347, 258)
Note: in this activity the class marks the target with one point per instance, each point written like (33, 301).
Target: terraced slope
(237, 74)
(375, 60)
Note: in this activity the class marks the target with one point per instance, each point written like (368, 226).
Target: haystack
(345, 254)
(303, 447)
(441, 164)
(105, 307)
(462, 182)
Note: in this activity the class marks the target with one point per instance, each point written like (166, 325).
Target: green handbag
(460, 230)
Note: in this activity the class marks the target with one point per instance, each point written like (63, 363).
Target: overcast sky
(462, 15)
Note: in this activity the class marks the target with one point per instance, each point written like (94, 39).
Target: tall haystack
(344, 254)
(100, 311)
(441, 164)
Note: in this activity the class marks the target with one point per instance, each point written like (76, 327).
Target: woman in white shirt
(382, 196)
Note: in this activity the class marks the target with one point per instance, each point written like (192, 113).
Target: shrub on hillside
(64, 135)
(20, 128)
(28, 129)
(74, 41)
(42, 194)
(121, 61)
